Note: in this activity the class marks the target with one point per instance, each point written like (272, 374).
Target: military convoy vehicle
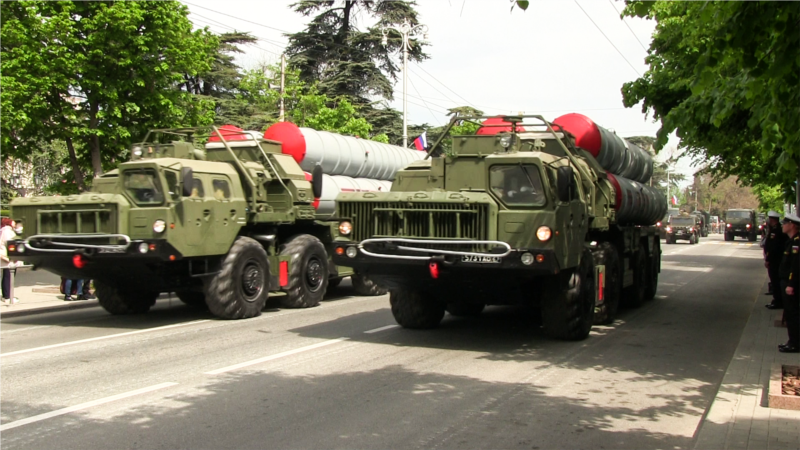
(703, 222)
(685, 227)
(742, 223)
(219, 218)
(662, 224)
(552, 215)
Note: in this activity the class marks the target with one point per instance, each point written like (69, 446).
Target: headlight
(691, 229)
(18, 229)
(729, 225)
(544, 233)
(669, 229)
(351, 252)
(748, 225)
(526, 258)
(143, 247)
(345, 228)
(137, 151)
(506, 140)
(658, 224)
(159, 226)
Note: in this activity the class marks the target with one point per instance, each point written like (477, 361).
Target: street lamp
(407, 31)
(669, 171)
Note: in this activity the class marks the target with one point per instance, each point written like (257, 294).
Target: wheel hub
(252, 281)
(314, 275)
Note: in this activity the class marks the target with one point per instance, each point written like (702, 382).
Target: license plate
(481, 259)
(111, 250)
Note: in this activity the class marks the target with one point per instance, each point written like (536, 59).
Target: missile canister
(332, 185)
(613, 153)
(636, 203)
(341, 155)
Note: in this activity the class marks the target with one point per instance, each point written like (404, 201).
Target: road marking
(376, 330)
(62, 411)
(83, 341)
(276, 356)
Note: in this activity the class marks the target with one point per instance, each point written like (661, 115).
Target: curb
(46, 309)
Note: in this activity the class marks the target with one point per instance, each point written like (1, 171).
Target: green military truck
(520, 213)
(684, 227)
(219, 218)
(703, 222)
(742, 223)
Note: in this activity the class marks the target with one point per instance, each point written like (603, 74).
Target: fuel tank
(332, 185)
(613, 153)
(637, 204)
(341, 155)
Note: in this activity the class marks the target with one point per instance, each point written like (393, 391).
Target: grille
(417, 220)
(77, 221)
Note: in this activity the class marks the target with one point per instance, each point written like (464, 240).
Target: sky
(557, 57)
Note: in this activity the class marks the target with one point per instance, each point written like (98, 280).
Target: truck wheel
(192, 298)
(240, 289)
(363, 285)
(653, 266)
(568, 302)
(308, 272)
(728, 236)
(118, 301)
(752, 237)
(608, 256)
(633, 296)
(465, 309)
(412, 308)
(668, 241)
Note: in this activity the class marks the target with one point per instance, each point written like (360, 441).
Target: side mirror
(564, 183)
(316, 181)
(187, 181)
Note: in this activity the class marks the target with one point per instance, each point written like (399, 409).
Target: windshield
(517, 185)
(143, 186)
(738, 214)
(682, 221)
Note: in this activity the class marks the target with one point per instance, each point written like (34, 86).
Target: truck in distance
(742, 223)
(684, 227)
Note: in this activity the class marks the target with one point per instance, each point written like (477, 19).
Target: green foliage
(725, 76)
(770, 197)
(97, 73)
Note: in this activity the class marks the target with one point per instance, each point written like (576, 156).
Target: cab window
(143, 186)
(221, 189)
(197, 188)
(173, 186)
(519, 185)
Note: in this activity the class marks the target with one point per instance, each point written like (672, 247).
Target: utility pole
(407, 31)
(282, 113)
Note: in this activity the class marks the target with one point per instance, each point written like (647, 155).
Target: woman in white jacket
(6, 234)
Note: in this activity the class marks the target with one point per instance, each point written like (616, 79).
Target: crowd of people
(782, 260)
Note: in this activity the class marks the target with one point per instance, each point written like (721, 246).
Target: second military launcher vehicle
(220, 218)
(524, 212)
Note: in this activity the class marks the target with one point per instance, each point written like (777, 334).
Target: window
(197, 188)
(173, 187)
(682, 221)
(221, 189)
(517, 185)
(143, 186)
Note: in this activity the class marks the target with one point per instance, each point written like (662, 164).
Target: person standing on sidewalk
(6, 234)
(773, 254)
(790, 274)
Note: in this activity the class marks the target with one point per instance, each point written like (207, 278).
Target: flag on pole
(421, 142)
(674, 200)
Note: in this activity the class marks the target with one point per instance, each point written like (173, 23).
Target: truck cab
(683, 227)
(741, 223)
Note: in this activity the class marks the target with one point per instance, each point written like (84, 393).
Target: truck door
(224, 229)
(197, 212)
(577, 224)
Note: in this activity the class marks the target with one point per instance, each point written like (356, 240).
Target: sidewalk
(739, 417)
(39, 299)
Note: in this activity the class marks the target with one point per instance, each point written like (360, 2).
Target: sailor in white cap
(790, 274)
(774, 245)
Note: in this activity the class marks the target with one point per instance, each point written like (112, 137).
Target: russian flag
(674, 200)
(421, 142)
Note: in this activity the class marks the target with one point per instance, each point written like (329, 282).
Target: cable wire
(426, 103)
(604, 35)
(611, 2)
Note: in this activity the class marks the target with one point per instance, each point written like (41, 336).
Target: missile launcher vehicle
(523, 212)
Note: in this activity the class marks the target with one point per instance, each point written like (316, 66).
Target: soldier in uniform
(773, 254)
(790, 273)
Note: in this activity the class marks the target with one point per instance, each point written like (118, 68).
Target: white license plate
(481, 259)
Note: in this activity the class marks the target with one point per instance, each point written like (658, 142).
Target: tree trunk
(76, 169)
(94, 141)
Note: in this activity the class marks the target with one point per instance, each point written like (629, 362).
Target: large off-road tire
(752, 237)
(412, 308)
(669, 241)
(241, 287)
(693, 239)
(121, 300)
(653, 268)
(728, 236)
(608, 256)
(633, 295)
(568, 302)
(192, 298)
(308, 272)
(364, 285)
(465, 309)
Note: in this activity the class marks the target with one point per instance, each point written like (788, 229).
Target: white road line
(62, 411)
(82, 341)
(276, 356)
(376, 330)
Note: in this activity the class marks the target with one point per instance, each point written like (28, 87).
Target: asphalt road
(342, 375)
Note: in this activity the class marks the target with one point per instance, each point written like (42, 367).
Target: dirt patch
(784, 387)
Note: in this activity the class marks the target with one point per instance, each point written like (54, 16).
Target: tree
(725, 77)
(97, 74)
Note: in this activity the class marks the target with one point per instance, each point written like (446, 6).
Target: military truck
(742, 223)
(662, 224)
(520, 213)
(704, 221)
(219, 218)
(683, 227)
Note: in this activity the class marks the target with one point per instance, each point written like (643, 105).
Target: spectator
(78, 290)
(6, 234)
